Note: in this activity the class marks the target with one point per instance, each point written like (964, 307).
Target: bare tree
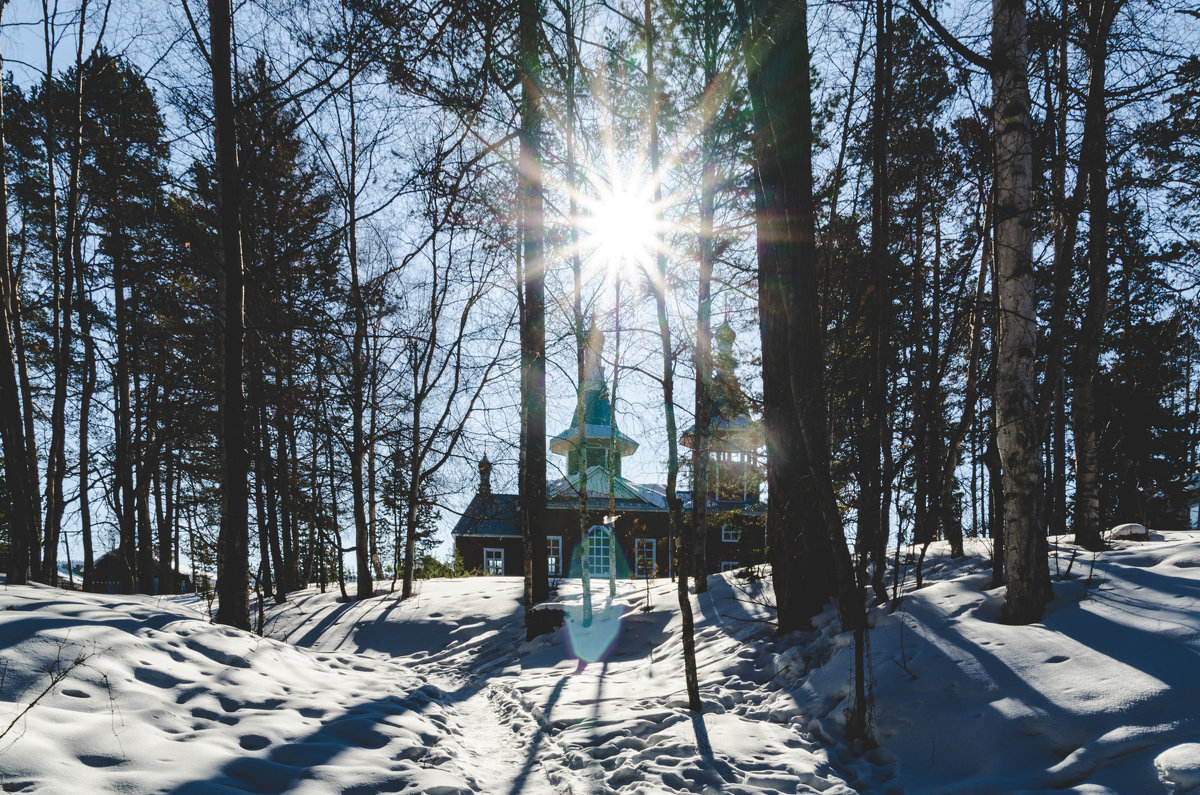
(1028, 578)
(688, 562)
(1017, 439)
(445, 379)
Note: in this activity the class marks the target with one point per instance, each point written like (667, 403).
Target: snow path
(534, 717)
(497, 739)
(482, 726)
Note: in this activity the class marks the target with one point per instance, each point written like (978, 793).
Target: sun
(621, 228)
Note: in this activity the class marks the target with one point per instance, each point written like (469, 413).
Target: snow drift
(439, 693)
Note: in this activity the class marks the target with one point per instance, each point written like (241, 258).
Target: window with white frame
(554, 555)
(730, 535)
(728, 565)
(645, 552)
(493, 561)
(599, 539)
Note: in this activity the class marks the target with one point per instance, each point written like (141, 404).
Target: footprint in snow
(155, 678)
(253, 742)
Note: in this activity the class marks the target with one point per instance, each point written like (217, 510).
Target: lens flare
(621, 226)
(592, 641)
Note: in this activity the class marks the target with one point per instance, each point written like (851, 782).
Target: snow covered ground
(439, 694)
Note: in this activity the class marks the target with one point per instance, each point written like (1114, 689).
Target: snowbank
(155, 699)
(439, 693)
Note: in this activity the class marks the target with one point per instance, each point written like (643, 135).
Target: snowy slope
(1086, 699)
(439, 694)
(165, 702)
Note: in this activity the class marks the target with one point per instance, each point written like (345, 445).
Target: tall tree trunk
(798, 597)
(372, 453)
(22, 490)
(362, 541)
(1058, 450)
(274, 537)
(358, 364)
(88, 388)
(532, 476)
(63, 292)
(314, 518)
(1065, 212)
(167, 581)
(267, 582)
(27, 417)
(1027, 574)
(145, 461)
(268, 531)
(145, 532)
(810, 559)
(334, 511)
(285, 491)
(233, 542)
(289, 543)
(991, 452)
(659, 279)
(123, 431)
(703, 404)
(414, 495)
(411, 513)
(872, 510)
(1093, 161)
(582, 333)
(922, 397)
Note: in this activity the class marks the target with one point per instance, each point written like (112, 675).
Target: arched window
(599, 539)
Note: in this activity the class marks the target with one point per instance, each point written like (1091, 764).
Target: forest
(277, 274)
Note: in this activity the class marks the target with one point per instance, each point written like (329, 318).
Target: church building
(627, 521)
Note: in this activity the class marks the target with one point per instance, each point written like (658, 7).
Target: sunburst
(621, 226)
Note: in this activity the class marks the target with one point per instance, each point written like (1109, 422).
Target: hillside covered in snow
(439, 694)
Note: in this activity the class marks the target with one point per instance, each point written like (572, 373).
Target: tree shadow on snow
(371, 725)
(321, 627)
(535, 743)
(396, 636)
(363, 726)
(708, 760)
(727, 606)
(1156, 670)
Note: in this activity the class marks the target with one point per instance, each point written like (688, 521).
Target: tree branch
(949, 39)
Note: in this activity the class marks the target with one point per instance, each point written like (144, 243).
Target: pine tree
(122, 176)
(233, 564)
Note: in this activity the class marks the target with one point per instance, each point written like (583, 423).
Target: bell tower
(599, 421)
